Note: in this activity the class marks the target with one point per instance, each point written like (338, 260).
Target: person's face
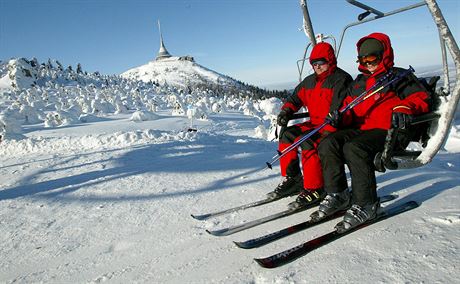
(370, 62)
(371, 67)
(320, 67)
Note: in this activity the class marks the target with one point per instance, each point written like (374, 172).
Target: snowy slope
(98, 180)
(179, 73)
(110, 201)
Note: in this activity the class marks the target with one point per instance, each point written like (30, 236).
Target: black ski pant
(357, 149)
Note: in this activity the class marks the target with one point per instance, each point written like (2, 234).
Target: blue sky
(256, 41)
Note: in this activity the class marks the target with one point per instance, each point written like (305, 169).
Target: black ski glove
(334, 118)
(284, 116)
(401, 120)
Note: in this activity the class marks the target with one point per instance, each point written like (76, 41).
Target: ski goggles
(318, 62)
(371, 59)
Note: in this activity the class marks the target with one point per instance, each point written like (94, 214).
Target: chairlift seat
(421, 125)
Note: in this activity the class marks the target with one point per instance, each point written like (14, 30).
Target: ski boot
(308, 198)
(332, 203)
(357, 215)
(287, 187)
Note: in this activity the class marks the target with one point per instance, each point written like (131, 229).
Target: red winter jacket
(407, 96)
(320, 94)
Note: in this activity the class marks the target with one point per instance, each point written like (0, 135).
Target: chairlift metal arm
(365, 7)
(403, 9)
(300, 67)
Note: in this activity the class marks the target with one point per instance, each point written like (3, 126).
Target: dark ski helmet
(370, 46)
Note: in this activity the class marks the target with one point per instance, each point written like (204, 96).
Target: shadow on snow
(208, 154)
(182, 157)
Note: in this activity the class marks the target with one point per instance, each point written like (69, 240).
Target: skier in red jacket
(369, 122)
(321, 93)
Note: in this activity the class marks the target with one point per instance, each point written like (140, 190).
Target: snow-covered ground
(110, 201)
(99, 176)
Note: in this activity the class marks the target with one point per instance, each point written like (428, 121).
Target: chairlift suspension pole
(362, 97)
(445, 67)
(307, 25)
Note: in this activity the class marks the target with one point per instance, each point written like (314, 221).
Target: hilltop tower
(162, 53)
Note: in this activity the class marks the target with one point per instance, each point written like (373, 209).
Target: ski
(292, 254)
(237, 208)
(257, 222)
(266, 239)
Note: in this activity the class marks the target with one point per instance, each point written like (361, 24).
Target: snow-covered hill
(181, 72)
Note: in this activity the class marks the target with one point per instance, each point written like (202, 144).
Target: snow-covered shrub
(52, 120)
(31, 115)
(120, 107)
(21, 73)
(248, 109)
(216, 107)
(233, 104)
(271, 134)
(151, 105)
(178, 109)
(201, 110)
(101, 106)
(9, 126)
(271, 106)
(260, 132)
(60, 118)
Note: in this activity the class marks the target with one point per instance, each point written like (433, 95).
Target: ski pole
(364, 96)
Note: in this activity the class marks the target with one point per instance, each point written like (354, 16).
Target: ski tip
(241, 245)
(265, 263)
(200, 217)
(218, 233)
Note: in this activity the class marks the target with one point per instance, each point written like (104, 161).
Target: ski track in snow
(110, 208)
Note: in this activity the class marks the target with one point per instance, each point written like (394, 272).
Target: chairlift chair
(432, 128)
